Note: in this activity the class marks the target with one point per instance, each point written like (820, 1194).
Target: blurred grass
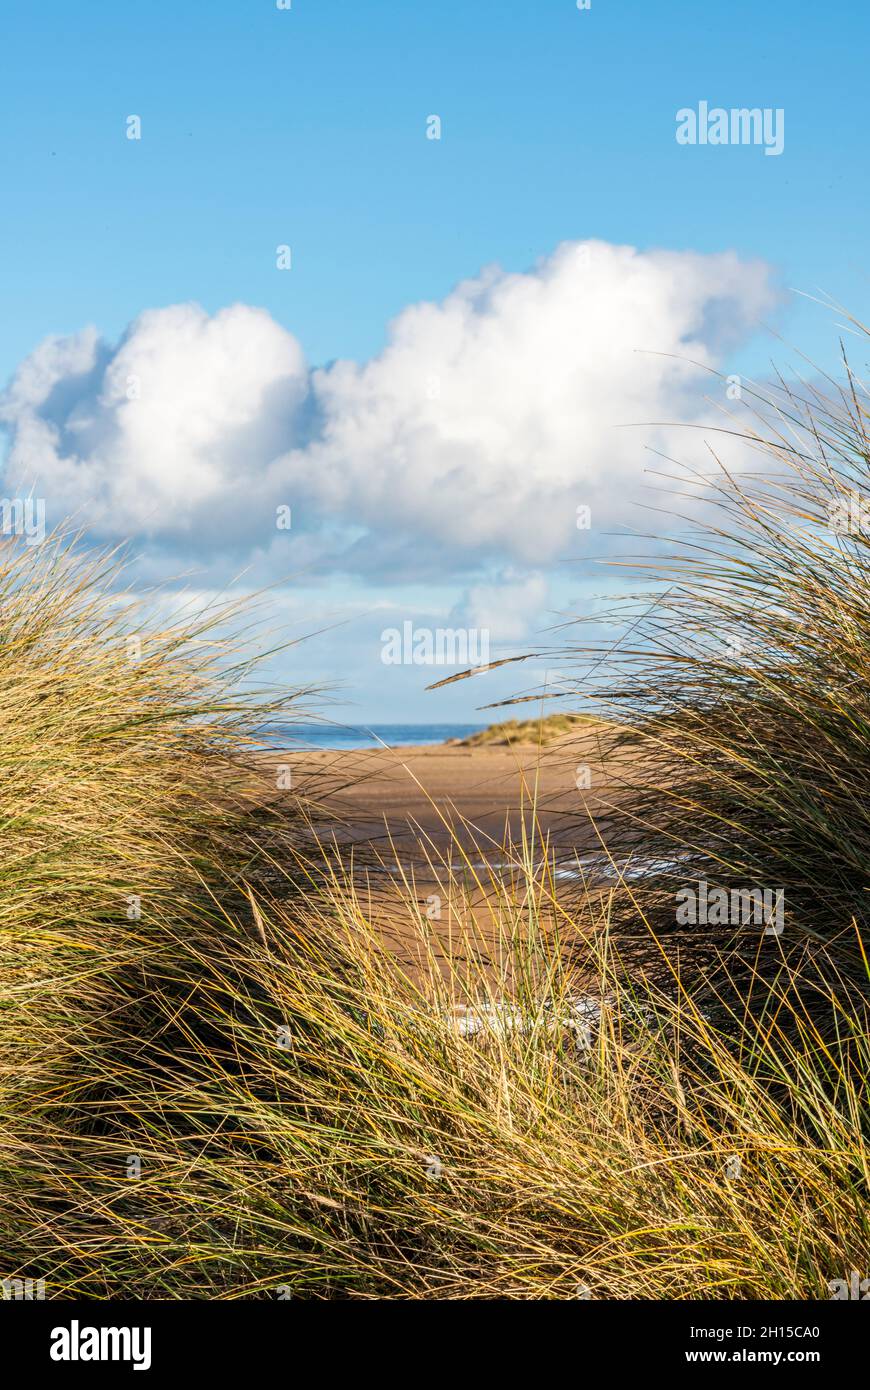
(539, 732)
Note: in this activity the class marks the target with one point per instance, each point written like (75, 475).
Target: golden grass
(311, 1121)
(235, 1091)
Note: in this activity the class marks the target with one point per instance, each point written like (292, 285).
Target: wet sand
(416, 796)
(402, 815)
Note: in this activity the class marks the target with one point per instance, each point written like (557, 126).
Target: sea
(373, 735)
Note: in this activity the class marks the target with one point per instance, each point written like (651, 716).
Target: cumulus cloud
(468, 442)
(165, 434)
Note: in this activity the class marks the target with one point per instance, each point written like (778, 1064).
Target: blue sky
(306, 127)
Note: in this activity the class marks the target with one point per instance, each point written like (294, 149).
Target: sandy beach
(414, 797)
(447, 820)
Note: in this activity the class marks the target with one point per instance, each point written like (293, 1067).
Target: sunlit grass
(237, 1090)
(312, 1119)
(742, 694)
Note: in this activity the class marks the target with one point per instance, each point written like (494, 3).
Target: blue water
(373, 735)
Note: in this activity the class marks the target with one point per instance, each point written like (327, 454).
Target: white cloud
(164, 435)
(508, 608)
(469, 441)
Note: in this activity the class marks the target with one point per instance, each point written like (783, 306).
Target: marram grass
(218, 1083)
(741, 697)
(299, 1117)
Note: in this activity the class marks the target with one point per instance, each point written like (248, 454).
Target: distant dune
(533, 732)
